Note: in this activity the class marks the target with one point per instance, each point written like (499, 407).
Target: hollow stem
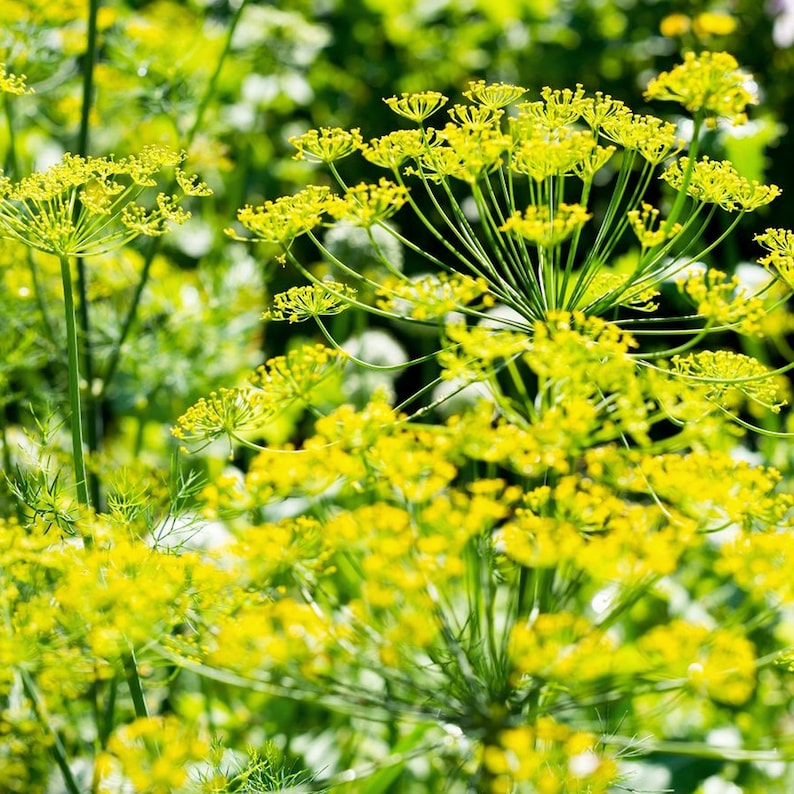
(78, 459)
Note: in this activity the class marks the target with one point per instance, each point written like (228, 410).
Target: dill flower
(653, 138)
(780, 259)
(545, 226)
(725, 372)
(327, 144)
(645, 224)
(417, 106)
(430, 297)
(714, 24)
(154, 753)
(11, 83)
(469, 154)
(367, 205)
(86, 206)
(301, 303)
(493, 95)
(621, 291)
(475, 118)
(225, 413)
(709, 82)
(393, 149)
(559, 107)
(284, 219)
(675, 25)
(540, 156)
(600, 107)
(723, 301)
(298, 376)
(718, 182)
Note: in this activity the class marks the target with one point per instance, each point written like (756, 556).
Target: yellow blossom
(417, 106)
(493, 95)
(366, 204)
(728, 374)
(780, 259)
(286, 218)
(301, 303)
(547, 227)
(393, 149)
(710, 82)
(85, 206)
(710, 23)
(722, 300)
(12, 83)
(645, 224)
(327, 144)
(430, 297)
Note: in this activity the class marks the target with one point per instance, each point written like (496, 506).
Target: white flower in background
(783, 29)
(455, 396)
(380, 349)
(751, 276)
(503, 317)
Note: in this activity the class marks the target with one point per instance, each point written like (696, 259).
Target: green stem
(93, 426)
(694, 147)
(11, 165)
(74, 383)
(58, 750)
(134, 684)
(205, 99)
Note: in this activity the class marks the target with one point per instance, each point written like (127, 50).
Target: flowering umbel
(85, 206)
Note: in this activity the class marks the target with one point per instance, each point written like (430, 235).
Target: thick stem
(74, 383)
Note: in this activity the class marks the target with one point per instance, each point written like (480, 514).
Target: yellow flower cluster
(540, 155)
(759, 564)
(225, 413)
(85, 206)
(584, 524)
(718, 182)
(645, 224)
(720, 663)
(493, 96)
(547, 227)
(432, 297)
(729, 375)
(620, 290)
(282, 382)
(723, 301)
(326, 145)
(154, 754)
(12, 83)
(780, 244)
(368, 205)
(565, 133)
(284, 219)
(473, 353)
(393, 149)
(301, 303)
(298, 375)
(551, 757)
(708, 82)
(417, 106)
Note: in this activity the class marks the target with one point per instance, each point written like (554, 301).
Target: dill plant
(570, 574)
(549, 583)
